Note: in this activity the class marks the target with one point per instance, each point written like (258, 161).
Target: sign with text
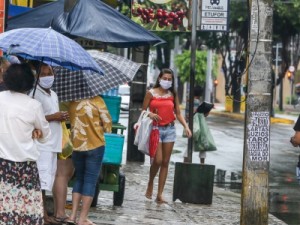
(162, 15)
(258, 136)
(90, 44)
(213, 15)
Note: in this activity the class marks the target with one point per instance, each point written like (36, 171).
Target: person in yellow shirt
(89, 120)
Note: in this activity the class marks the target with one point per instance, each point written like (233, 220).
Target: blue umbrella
(48, 46)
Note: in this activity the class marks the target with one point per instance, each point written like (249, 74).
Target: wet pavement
(136, 209)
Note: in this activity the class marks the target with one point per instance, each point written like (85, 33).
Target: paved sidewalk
(289, 116)
(136, 209)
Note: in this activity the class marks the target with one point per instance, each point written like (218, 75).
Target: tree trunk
(236, 93)
(256, 158)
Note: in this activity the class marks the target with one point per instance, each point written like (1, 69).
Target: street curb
(242, 117)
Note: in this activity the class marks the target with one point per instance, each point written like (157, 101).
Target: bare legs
(86, 204)
(64, 173)
(161, 164)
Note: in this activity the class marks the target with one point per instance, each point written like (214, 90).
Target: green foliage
(183, 62)
(291, 100)
(286, 19)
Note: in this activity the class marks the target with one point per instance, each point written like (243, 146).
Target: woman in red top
(163, 104)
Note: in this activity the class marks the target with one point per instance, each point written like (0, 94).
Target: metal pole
(137, 93)
(192, 77)
(292, 76)
(276, 63)
(208, 83)
(256, 160)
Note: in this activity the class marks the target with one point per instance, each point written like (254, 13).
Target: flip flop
(61, 219)
(51, 221)
(70, 222)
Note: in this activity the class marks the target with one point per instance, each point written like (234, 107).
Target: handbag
(143, 129)
(202, 137)
(67, 146)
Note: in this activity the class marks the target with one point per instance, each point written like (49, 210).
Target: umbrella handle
(37, 77)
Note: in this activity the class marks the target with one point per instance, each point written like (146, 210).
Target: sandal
(70, 222)
(51, 221)
(61, 219)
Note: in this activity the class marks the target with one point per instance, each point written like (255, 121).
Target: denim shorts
(167, 134)
(87, 170)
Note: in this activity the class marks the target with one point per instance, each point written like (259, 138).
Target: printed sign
(161, 15)
(214, 15)
(89, 44)
(259, 137)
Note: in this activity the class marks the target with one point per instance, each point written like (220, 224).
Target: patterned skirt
(20, 193)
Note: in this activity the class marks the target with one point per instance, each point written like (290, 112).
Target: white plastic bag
(143, 130)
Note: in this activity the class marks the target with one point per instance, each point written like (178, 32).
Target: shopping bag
(143, 129)
(202, 137)
(67, 146)
(137, 125)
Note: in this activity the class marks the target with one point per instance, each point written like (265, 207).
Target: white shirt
(19, 116)
(50, 106)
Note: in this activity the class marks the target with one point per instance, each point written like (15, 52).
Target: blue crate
(113, 148)
(113, 104)
(112, 92)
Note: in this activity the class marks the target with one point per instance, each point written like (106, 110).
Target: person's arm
(295, 140)
(41, 130)
(105, 117)
(58, 116)
(181, 119)
(145, 106)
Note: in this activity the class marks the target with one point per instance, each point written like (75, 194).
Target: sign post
(214, 15)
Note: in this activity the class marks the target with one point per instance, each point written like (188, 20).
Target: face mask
(46, 82)
(165, 84)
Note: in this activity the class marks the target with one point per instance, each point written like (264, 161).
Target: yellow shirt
(89, 120)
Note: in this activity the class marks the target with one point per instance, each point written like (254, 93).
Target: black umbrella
(90, 19)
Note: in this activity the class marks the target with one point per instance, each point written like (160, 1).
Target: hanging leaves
(183, 62)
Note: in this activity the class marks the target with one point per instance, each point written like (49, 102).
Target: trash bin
(193, 183)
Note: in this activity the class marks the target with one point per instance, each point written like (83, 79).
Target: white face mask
(46, 82)
(165, 84)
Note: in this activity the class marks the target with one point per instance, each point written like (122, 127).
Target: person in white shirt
(22, 126)
(47, 162)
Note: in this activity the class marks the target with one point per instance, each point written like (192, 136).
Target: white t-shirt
(50, 106)
(19, 116)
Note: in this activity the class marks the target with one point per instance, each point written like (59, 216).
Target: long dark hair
(172, 88)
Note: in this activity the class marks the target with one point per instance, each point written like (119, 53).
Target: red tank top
(163, 106)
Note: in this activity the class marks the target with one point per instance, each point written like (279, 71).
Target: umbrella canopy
(90, 19)
(75, 85)
(49, 46)
(14, 10)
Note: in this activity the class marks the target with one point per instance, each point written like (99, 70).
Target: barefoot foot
(149, 191)
(86, 222)
(160, 200)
